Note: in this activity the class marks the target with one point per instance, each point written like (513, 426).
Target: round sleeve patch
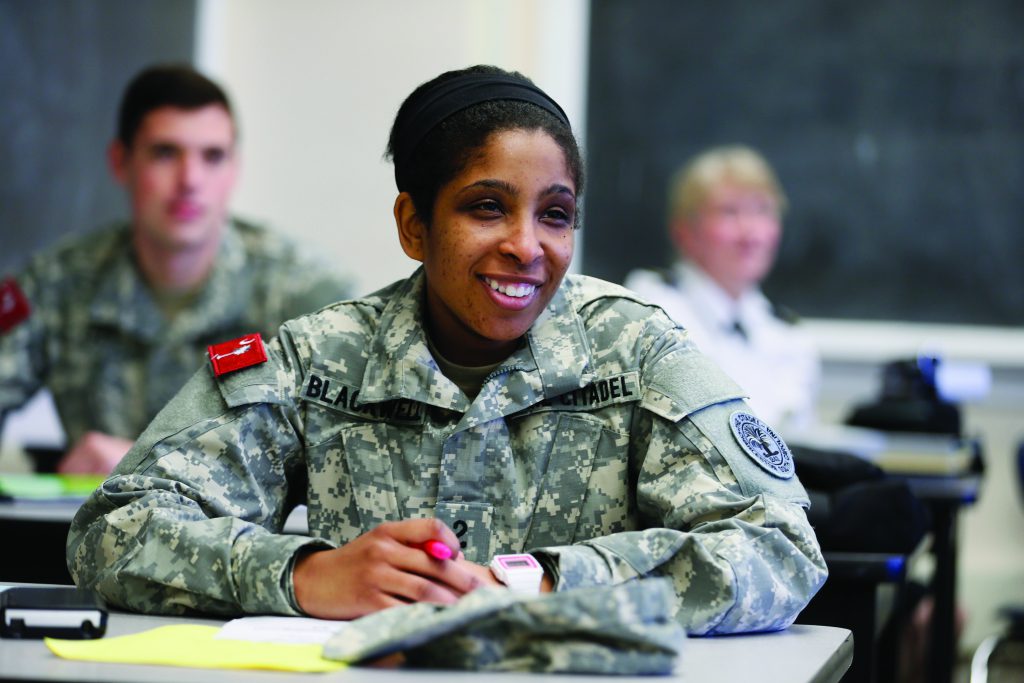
(763, 445)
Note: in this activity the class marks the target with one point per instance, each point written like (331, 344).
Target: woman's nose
(522, 242)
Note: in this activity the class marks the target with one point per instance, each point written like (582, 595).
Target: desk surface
(801, 654)
(60, 511)
(960, 490)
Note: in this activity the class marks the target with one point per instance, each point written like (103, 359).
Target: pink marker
(437, 550)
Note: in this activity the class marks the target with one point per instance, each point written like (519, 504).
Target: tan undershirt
(468, 378)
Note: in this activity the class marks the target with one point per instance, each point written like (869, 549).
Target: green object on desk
(49, 486)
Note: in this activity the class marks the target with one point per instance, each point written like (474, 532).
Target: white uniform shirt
(772, 359)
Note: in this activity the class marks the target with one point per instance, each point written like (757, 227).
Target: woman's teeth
(517, 291)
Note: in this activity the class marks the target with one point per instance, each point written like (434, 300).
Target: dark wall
(897, 129)
(63, 65)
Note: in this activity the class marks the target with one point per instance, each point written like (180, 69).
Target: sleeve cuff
(264, 572)
(575, 566)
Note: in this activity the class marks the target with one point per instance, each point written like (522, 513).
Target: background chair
(1000, 657)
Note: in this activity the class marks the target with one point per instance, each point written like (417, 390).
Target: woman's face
(499, 244)
(734, 237)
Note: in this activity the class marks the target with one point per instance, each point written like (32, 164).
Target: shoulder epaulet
(237, 354)
(785, 314)
(14, 306)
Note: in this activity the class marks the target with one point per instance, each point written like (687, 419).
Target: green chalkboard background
(897, 129)
(63, 66)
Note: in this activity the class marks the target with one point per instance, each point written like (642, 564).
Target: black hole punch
(16, 629)
(89, 630)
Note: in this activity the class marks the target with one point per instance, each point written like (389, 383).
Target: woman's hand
(385, 567)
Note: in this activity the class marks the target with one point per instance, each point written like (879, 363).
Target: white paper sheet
(295, 630)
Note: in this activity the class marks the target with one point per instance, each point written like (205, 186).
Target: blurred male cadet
(113, 322)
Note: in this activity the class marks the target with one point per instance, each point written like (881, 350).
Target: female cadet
(489, 402)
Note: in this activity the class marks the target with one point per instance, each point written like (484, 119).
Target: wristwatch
(521, 573)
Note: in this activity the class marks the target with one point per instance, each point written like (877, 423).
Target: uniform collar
(713, 304)
(559, 343)
(123, 299)
(400, 365)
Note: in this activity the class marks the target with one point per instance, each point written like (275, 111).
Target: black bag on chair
(855, 507)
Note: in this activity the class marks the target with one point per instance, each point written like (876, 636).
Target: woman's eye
(487, 208)
(558, 215)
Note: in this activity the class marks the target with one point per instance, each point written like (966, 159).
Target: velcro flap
(683, 383)
(255, 384)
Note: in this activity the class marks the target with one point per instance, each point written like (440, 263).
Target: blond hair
(738, 165)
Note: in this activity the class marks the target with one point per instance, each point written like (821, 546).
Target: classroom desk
(801, 654)
(42, 526)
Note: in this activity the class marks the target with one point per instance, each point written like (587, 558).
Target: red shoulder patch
(237, 354)
(14, 308)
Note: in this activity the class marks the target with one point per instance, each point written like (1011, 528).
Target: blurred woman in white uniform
(725, 219)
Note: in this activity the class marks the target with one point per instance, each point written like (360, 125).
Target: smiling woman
(499, 242)
(489, 402)
(487, 161)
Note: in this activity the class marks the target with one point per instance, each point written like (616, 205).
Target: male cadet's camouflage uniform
(603, 445)
(98, 341)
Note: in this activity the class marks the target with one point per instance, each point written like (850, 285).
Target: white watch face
(521, 573)
(513, 562)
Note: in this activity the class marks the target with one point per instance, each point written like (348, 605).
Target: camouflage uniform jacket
(603, 444)
(111, 359)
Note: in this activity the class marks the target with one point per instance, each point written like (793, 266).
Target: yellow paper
(194, 645)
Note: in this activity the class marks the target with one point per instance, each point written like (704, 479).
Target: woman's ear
(410, 228)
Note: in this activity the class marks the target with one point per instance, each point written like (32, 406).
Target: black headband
(438, 103)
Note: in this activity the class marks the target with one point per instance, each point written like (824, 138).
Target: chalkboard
(63, 67)
(897, 130)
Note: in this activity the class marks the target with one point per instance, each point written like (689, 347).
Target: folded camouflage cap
(626, 629)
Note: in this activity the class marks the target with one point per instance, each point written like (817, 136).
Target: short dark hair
(444, 152)
(166, 85)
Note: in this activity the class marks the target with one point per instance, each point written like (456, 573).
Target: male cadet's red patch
(14, 308)
(237, 354)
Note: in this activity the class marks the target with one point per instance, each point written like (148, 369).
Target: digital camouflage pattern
(602, 445)
(99, 342)
(626, 629)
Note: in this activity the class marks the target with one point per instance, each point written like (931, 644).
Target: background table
(35, 535)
